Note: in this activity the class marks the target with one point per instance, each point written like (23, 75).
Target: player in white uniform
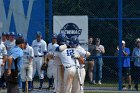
(39, 46)
(50, 72)
(3, 40)
(27, 68)
(74, 42)
(71, 80)
(3, 54)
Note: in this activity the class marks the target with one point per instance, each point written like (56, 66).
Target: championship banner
(23, 16)
(72, 25)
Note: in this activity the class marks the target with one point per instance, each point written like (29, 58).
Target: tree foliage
(107, 30)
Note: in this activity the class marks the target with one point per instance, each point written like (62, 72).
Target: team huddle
(64, 58)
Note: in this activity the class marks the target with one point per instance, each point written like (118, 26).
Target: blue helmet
(19, 35)
(12, 33)
(4, 33)
(61, 38)
(54, 36)
(38, 33)
(74, 41)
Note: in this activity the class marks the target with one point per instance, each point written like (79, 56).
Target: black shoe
(136, 87)
(23, 90)
(48, 88)
(40, 88)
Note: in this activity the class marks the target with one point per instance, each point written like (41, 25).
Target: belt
(69, 66)
(38, 56)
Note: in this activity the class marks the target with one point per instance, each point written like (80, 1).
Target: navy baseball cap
(12, 33)
(4, 33)
(8, 33)
(38, 33)
(54, 36)
(19, 35)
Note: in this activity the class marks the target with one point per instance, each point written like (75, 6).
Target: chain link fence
(103, 23)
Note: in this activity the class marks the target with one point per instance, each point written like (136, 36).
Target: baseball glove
(81, 60)
(44, 66)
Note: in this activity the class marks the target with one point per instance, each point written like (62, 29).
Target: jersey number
(70, 52)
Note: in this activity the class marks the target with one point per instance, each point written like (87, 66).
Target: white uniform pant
(82, 74)
(71, 80)
(50, 69)
(1, 68)
(26, 72)
(59, 78)
(37, 63)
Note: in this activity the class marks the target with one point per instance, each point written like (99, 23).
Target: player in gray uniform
(27, 68)
(39, 47)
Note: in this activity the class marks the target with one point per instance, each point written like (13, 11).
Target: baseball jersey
(57, 60)
(50, 45)
(3, 50)
(81, 51)
(27, 54)
(66, 58)
(39, 47)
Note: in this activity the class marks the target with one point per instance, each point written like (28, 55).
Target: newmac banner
(72, 25)
(23, 16)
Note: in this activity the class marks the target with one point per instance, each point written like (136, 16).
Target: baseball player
(3, 53)
(74, 42)
(3, 40)
(50, 72)
(58, 70)
(71, 82)
(39, 46)
(27, 68)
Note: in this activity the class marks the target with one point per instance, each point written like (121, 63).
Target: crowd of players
(64, 58)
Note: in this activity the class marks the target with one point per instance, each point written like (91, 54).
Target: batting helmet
(74, 41)
(61, 38)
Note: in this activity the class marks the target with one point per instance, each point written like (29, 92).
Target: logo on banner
(71, 29)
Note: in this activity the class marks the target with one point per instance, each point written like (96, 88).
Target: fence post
(120, 25)
(50, 20)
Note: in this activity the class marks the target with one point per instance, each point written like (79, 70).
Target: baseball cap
(54, 36)
(19, 35)
(19, 41)
(8, 33)
(123, 42)
(12, 33)
(4, 33)
(38, 33)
